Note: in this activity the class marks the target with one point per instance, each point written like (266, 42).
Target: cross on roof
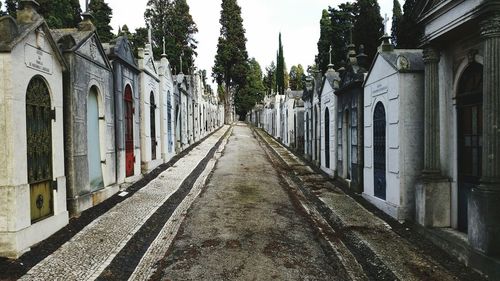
(386, 19)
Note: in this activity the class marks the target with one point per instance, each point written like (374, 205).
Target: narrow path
(244, 226)
(90, 251)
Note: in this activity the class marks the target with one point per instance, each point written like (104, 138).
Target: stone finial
(28, 13)
(351, 54)
(86, 24)
(362, 58)
(386, 45)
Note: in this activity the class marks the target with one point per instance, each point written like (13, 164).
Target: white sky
(298, 21)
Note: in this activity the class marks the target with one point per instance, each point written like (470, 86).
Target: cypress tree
(253, 91)
(342, 20)
(102, 14)
(60, 13)
(368, 27)
(171, 19)
(325, 41)
(397, 14)
(230, 67)
(280, 69)
(409, 32)
(270, 79)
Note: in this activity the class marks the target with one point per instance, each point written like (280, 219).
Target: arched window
(327, 138)
(379, 151)
(93, 141)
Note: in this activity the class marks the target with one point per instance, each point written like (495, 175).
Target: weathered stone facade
(32, 176)
(90, 156)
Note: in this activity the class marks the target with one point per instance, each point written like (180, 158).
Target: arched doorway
(129, 131)
(316, 134)
(327, 138)
(308, 135)
(470, 136)
(39, 148)
(169, 121)
(152, 123)
(379, 151)
(93, 141)
(346, 144)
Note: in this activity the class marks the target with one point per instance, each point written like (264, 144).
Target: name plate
(38, 59)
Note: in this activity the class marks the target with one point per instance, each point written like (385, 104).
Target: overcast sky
(298, 21)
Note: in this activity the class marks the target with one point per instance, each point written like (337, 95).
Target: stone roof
(405, 60)
(120, 48)
(77, 35)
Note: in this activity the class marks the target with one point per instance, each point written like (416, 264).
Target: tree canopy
(342, 21)
(171, 19)
(368, 27)
(325, 41)
(252, 92)
(57, 13)
(409, 32)
(296, 76)
(230, 66)
(269, 79)
(102, 14)
(280, 69)
(397, 14)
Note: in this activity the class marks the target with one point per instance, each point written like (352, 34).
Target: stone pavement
(90, 251)
(245, 226)
(382, 253)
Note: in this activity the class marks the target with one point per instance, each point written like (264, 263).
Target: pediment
(91, 49)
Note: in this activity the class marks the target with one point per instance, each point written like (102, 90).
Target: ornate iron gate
(379, 148)
(39, 117)
(152, 123)
(470, 137)
(129, 132)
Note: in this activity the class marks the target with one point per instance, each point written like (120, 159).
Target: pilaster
(484, 210)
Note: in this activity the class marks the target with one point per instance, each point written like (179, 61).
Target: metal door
(327, 138)
(470, 141)
(39, 149)
(379, 151)
(152, 123)
(129, 132)
(93, 143)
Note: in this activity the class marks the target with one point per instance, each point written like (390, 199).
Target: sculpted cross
(330, 52)
(386, 19)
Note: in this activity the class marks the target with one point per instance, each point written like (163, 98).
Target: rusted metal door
(39, 117)
(470, 137)
(129, 132)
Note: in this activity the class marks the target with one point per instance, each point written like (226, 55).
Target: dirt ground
(245, 227)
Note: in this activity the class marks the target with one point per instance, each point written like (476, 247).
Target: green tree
(280, 69)
(397, 14)
(368, 27)
(253, 91)
(269, 79)
(11, 7)
(409, 31)
(230, 67)
(139, 39)
(342, 22)
(2, 13)
(102, 14)
(171, 19)
(60, 13)
(325, 41)
(296, 76)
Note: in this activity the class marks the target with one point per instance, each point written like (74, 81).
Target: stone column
(433, 191)
(432, 167)
(483, 205)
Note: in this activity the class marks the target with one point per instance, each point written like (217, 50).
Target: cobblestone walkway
(89, 252)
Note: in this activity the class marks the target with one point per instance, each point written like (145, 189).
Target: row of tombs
(416, 131)
(81, 120)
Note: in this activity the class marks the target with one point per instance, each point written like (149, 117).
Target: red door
(129, 132)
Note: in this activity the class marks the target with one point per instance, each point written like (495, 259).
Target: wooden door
(470, 137)
(39, 117)
(129, 132)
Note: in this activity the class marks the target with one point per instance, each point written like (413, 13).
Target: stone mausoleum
(32, 177)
